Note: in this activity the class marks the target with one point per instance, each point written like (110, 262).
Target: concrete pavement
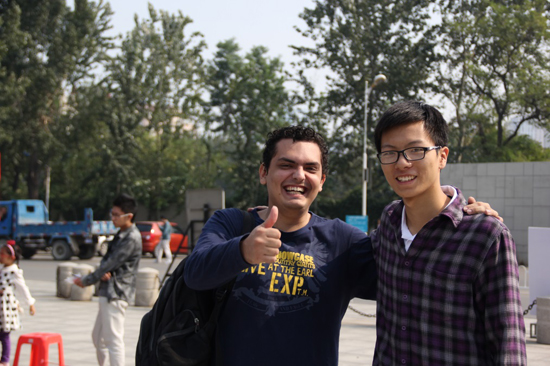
(74, 321)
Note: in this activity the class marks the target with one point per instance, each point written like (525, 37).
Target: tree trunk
(33, 177)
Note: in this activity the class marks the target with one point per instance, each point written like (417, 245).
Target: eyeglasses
(410, 154)
(119, 215)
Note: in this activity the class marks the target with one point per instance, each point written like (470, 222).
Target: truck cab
(27, 222)
(21, 212)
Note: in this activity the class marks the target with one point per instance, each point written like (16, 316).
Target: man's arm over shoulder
(217, 257)
(361, 265)
(499, 300)
(363, 261)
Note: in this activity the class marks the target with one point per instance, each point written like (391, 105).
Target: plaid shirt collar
(454, 211)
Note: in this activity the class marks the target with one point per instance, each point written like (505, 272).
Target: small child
(11, 282)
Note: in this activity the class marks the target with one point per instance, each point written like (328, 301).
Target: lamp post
(368, 89)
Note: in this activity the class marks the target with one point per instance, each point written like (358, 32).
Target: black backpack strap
(248, 222)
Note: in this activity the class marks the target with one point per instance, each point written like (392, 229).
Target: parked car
(151, 234)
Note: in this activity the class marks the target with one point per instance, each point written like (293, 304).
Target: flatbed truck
(27, 222)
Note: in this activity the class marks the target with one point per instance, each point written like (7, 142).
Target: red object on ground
(40, 346)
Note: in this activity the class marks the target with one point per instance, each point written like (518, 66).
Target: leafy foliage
(248, 99)
(145, 113)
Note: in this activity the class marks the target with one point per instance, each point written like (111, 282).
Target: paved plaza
(74, 320)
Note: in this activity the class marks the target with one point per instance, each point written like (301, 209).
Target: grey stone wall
(520, 192)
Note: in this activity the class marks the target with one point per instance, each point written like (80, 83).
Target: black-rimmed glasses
(410, 154)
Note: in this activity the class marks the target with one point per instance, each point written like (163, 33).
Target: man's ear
(443, 155)
(263, 173)
(323, 179)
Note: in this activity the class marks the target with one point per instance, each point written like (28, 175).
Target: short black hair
(127, 204)
(296, 133)
(407, 112)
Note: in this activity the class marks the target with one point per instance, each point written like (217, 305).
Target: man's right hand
(263, 243)
(78, 281)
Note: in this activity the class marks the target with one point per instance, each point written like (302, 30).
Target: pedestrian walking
(117, 277)
(164, 244)
(14, 293)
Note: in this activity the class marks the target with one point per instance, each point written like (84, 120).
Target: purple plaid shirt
(453, 298)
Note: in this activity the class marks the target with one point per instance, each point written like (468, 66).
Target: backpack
(180, 328)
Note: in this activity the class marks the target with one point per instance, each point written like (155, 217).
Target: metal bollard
(543, 320)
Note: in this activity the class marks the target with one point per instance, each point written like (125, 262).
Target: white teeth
(405, 179)
(295, 189)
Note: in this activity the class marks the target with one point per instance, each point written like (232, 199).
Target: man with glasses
(116, 275)
(448, 290)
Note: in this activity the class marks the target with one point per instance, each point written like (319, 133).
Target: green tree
(356, 40)
(134, 130)
(495, 72)
(164, 63)
(248, 99)
(46, 49)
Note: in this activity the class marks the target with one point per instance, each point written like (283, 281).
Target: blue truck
(27, 222)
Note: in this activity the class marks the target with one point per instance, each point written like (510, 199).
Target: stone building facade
(520, 192)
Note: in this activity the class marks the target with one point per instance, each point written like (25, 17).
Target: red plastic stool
(40, 346)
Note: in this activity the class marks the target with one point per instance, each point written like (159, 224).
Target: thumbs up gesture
(263, 243)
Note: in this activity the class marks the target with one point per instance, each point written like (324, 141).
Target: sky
(268, 23)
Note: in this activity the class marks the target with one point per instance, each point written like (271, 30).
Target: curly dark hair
(296, 133)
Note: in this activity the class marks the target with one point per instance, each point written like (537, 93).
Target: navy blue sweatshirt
(289, 312)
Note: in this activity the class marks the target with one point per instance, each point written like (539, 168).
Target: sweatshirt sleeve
(217, 257)
(362, 266)
(22, 292)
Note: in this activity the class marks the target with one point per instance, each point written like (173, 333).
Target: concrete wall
(520, 192)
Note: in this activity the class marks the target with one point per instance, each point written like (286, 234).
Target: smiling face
(413, 179)
(295, 175)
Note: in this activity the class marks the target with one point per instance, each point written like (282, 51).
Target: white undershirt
(406, 233)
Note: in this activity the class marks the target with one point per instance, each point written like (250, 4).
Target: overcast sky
(251, 22)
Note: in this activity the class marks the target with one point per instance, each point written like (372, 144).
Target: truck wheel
(27, 253)
(86, 251)
(61, 250)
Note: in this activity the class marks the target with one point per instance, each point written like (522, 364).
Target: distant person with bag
(14, 292)
(164, 244)
(116, 275)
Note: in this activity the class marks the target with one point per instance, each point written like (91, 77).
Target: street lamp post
(368, 89)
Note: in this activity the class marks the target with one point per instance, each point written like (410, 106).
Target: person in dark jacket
(116, 275)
